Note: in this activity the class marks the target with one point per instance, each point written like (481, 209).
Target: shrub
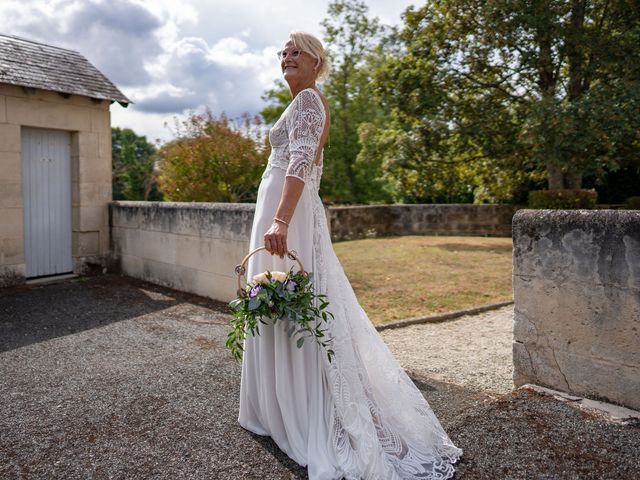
(632, 203)
(213, 160)
(563, 199)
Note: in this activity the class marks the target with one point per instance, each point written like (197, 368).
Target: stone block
(125, 217)
(132, 265)
(576, 284)
(126, 241)
(210, 254)
(100, 121)
(91, 218)
(35, 112)
(11, 195)
(11, 223)
(105, 245)
(428, 219)
(215, 220)
(10, 167)
(158, 246)
(10, 139)
(219, 287)
(85, 243)
(3, 109)
(12, 251)
(104, 149)
(12, 275)
(94, 193)
(169, 275)
(90, 167)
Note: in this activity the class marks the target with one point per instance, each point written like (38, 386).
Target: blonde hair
(310, 44)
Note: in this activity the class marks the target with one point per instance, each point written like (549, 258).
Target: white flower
(261, 278)
(279, 276)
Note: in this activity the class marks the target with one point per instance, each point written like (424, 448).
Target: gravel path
(112, 378)
(473, 351)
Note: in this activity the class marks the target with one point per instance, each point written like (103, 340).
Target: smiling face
(297, 65)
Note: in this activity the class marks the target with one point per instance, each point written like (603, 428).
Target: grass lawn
(411, 276)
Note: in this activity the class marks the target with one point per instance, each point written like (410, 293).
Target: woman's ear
(318, 62)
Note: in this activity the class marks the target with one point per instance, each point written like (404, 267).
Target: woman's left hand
(275, 240)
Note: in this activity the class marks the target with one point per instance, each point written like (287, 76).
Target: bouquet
(279, 296)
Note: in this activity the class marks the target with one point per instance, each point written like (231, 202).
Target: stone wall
(88, 122)
(576, 283)
(193, 247)
(452, 219)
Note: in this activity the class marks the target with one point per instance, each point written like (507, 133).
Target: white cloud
(170, 57)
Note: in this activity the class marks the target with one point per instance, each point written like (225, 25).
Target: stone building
(55, 161)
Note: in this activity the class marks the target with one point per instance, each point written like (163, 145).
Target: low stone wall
(193, 247)
(452, 219)
(576, 282)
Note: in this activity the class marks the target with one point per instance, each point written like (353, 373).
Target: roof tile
(30, 64)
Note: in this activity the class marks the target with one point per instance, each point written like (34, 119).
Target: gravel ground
(108, 377)
(473, 351)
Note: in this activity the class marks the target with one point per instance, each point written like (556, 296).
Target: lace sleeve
(305, 127)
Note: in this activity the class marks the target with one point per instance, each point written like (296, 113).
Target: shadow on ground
(35, 313)
(114, 378)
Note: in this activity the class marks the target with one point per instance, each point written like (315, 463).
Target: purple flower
(254, 291)
(291, 285)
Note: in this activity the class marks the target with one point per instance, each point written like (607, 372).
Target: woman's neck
(296, 88)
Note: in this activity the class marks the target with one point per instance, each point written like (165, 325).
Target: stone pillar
(576, 283)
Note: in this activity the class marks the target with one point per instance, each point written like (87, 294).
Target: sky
(172, 57)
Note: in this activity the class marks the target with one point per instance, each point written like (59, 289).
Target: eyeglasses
(284, 54)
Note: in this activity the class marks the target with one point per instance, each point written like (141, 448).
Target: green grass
(411, 276)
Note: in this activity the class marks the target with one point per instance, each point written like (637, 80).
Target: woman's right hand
(275, 240)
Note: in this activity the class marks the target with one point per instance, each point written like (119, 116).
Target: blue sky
(171, 57)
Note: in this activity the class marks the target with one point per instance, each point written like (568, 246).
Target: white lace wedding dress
(359, 416)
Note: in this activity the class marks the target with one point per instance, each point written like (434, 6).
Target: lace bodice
(295, 138)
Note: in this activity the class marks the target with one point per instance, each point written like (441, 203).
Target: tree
(213, 160)
(132, 163)
(357, 45)
(519, 87)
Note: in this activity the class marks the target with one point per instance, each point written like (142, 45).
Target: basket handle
(241, 268)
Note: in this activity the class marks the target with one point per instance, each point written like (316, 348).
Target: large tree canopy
(510, 88)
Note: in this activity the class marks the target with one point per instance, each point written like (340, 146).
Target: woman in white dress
(359, 416)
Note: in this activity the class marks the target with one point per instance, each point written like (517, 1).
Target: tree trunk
(555, 178)
(558, 180)
(573, 179)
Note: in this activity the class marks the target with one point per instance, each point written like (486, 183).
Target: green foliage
(133, 166)
(357, 45)
(512, 90)
(632, 203)
(279, 96)
(213, 160)
(291, 300)
(563, 199)
(479, 101)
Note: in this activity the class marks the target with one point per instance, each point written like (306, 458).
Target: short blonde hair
(310, 44)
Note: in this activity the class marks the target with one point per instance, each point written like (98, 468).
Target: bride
(359, 416)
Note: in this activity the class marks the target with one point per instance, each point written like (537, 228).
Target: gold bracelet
(281, 221)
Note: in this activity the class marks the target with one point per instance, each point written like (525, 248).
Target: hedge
(563, 199)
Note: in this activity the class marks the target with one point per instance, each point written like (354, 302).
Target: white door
(46, 195)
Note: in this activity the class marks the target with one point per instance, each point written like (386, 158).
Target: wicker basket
(241, 268)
